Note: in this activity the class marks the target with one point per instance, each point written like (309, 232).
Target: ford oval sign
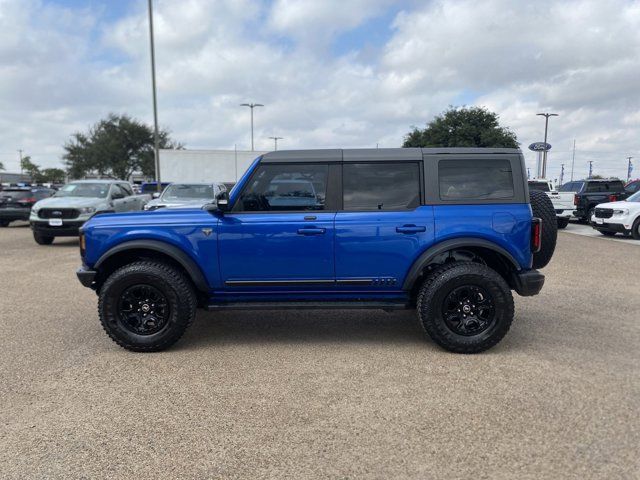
(539, 147)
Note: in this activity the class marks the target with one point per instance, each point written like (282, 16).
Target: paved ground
(321, 395)
(588, 231)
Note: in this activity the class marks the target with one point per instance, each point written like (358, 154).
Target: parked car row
(16, 202)
(618, 217)
(579, 199)
(61, 213)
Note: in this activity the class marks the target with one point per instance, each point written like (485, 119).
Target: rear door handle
(311, 231)
(411, 229)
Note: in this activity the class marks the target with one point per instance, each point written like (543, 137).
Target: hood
(145, 219)
(70, 202)
(614, 205)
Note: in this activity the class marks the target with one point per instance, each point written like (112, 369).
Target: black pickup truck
(593, 191)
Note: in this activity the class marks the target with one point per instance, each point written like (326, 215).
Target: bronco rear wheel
(542, 208)
(465, 307)
(146, 306)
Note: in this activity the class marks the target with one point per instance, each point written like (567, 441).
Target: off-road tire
(172, 283)
(635, 229)
(562, 223)
(42, 239)
(444, 279)
(542, 208)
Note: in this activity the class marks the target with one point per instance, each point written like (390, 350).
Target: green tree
(52, 175)
(2, 166)
(462, 127)
(27, 166)
(117, 146)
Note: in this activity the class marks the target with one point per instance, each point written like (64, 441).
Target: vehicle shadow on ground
(65, 242)
(295, 327)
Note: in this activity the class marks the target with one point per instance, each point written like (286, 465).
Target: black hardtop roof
(354, 154)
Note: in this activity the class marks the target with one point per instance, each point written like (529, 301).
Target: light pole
(629, 168)
(156, 137)
(590, 168)
(275, 141)
(546, 127)
(251, 106)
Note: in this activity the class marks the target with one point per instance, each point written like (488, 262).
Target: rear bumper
(68, 229)
(527, 282)
(86, 276)
(14, 213)
(568, 213)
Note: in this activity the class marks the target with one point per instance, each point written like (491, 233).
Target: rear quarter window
(475, 179)
(613, 186)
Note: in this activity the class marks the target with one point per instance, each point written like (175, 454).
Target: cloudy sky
(332, 73)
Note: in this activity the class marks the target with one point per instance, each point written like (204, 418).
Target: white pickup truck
(64, 213)
(562, 201)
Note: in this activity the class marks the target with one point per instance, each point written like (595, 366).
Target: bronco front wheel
(465, 307)
(146, 306)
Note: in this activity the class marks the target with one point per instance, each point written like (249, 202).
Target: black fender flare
(423, 260)
(192, 269)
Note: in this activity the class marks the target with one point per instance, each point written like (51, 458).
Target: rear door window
(381, 186)
(475, 179)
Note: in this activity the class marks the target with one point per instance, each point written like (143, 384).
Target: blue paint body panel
(318, 256)
(368, 244)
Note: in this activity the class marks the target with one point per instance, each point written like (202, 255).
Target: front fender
(178, 255)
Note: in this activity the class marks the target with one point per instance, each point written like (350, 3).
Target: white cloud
(62, 69)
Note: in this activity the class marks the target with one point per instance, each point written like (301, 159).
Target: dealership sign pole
(541, 148)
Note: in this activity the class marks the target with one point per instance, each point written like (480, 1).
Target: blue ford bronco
(448, 232)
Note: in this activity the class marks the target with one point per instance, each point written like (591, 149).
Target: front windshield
(185, 192)
(634, 198)
(90, 190)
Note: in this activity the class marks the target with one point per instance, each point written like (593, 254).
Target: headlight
(86, 210)
(622, 211)
(35, 209)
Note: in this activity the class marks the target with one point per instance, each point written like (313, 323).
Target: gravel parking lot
(321, 394)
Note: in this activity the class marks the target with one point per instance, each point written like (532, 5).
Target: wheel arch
(133, 250)
(494, 256)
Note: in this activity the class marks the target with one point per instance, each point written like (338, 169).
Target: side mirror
(222, 200)
(156, 195)
(221, 205)
(117, 196)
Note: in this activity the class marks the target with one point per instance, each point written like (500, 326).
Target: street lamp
(251, 106)
(275, 141)
(156, 136)
(546, 127)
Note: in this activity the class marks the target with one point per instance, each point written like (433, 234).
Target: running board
(309, 305)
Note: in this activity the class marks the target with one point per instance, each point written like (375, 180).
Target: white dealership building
(194, 166)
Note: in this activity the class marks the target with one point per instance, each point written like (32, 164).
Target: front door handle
(311, 231)
(411, 229)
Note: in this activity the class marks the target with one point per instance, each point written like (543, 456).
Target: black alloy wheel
(143, 309)
(468, 310)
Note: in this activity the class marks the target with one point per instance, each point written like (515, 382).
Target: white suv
(618, 217)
